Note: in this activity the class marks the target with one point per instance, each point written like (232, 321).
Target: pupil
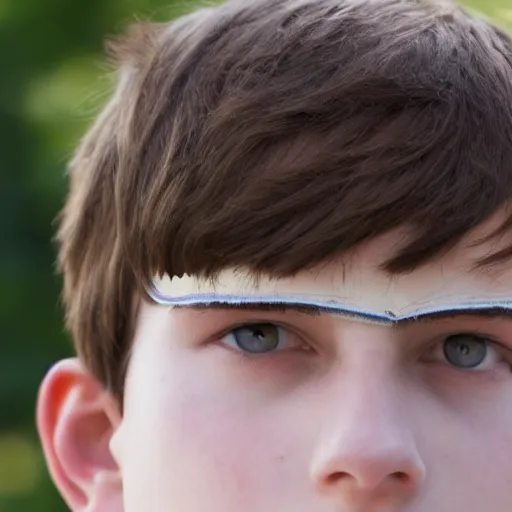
(259, 334)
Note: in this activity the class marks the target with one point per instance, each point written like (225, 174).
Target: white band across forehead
(364, 298)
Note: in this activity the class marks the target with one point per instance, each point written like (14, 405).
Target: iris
(465, 350)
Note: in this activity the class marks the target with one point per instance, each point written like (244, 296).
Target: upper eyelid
(304, 337)
(243, 323)
(485, 327)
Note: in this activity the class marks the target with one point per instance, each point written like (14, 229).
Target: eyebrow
(305, 309)
(487, 312)
(497, 313)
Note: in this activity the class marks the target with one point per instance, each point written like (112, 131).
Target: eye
(467, 351)
(261, 338)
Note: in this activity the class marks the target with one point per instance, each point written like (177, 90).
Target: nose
(367, 455)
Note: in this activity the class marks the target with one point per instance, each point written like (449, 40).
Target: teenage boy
(287, 267)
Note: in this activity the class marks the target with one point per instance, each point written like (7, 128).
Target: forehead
(356, 285)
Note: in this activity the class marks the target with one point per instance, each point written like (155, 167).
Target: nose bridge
(367, 412)
(370, 391)
(368, 383)
(366, 444)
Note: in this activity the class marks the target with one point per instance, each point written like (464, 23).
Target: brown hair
(275, 134)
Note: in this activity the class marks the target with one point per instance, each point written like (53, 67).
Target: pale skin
(338, 416)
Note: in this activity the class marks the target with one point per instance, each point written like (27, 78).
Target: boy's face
(261, 411)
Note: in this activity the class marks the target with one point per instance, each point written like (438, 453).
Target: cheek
(482, 464)
(466, 449)
(492, 438)
(194, 430)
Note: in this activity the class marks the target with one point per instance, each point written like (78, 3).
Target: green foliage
(53, 83)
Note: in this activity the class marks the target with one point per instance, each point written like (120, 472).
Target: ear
(76, 420)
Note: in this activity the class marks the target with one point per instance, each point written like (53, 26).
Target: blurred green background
(53, 81)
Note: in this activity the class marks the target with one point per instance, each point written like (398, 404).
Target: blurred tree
(53, 83)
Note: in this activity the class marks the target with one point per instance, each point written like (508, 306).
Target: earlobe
(76, 420)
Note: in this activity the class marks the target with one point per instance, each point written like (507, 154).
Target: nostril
(400, 476)
(334, 478)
